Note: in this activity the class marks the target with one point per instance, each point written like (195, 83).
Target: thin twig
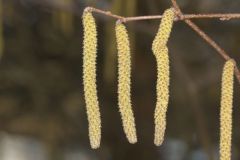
(207, 39)
(107, 13)
(202, 34)
(220, 16)
(186, 18)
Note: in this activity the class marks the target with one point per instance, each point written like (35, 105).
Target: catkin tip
(133, 141)
(119, 22)
(232, 61)
(87, 9)
(95, 146)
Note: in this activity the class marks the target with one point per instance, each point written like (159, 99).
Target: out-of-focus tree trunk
(1, 29)
(63, 19)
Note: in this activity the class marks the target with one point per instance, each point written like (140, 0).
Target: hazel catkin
(89, 78)
(160, 51)
(162, 95)
(124, 83)
(164, 30)
(226, 110)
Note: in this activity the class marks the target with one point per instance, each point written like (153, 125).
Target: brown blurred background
(42, 110)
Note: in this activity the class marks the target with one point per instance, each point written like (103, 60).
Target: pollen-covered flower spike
(160, 50)
(226, 110)
(89, 78)
(124, 83)
(164, 30)
(162, 95)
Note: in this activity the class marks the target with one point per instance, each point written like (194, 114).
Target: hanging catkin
(226, 111)
(164, 30)
(89, 78)
(160, 51)
(124, 83)
(162, 95)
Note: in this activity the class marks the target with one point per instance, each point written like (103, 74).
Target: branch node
(88, 9)
(178, 14)
(233, 60)
(119, 21)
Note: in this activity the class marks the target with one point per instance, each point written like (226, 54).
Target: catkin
(164, 30)
(124, 81)
(162, 95)
(89, 78)
(160, 51)
(226, 111)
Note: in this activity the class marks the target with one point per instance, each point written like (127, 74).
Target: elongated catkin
(226, 111)
(124, 83)
(160, 51)
(89, 78)
(164, 30)
(162, 95)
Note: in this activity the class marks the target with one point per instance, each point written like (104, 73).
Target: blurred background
(42, 110)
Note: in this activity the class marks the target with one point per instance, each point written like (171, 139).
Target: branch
(202, 34)
(220, 16)
(107, 13)
(182, 17)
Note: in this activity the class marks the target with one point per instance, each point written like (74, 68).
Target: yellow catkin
(89, 78)
(164, 30)
(226, 111)
(160, 51)
(124, 83)
(162, 95)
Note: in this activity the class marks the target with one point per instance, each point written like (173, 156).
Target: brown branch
(107, 13)
(177, 8)
(207, 39)
(186, 18)
(202, 34)
(220, 16)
